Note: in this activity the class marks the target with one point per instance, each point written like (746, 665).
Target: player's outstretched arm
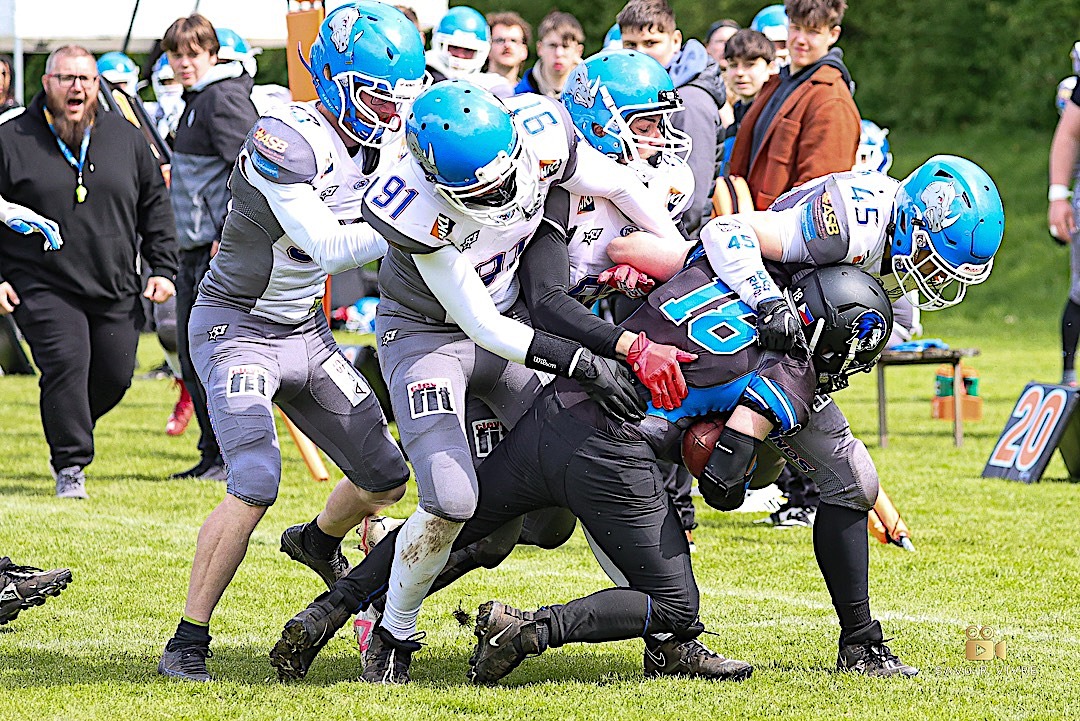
(25, 221)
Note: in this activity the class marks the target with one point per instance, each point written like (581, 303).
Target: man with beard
(93, 174)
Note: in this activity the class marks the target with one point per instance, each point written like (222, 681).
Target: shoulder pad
(280, 153)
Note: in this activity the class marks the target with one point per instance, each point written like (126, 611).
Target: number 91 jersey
(406, 209)
(838, 218)
(697, 312)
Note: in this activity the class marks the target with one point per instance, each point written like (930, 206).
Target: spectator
(510, 39)
(648, 26)
(560, 42)
(216, 118)
(1062, 219)
(715, 40)
(811, 100)
(94, 175)
(749, 56)
(7, 85)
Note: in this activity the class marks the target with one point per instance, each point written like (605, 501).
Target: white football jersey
(405, 207)
(595, 222)
(259, 267)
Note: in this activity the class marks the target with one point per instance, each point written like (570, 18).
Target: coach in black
(92, 173)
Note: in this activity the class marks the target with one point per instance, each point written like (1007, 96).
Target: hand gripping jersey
(595, 222)
(405, 208)
(296, 200)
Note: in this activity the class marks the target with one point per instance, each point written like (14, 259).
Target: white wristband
(1058, 192)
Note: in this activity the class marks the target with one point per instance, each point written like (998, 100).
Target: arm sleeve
(735, 256)
(233, 116)
(154, 219)
(455, 284)
(597, 174)
(700, 120)
(311, 225)
(545, 278)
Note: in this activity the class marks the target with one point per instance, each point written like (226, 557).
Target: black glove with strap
(609, 384)
(777, 326)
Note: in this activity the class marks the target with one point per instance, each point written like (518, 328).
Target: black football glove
(777, 327)
(608, 383)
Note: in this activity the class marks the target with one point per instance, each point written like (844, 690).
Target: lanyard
(80, 189)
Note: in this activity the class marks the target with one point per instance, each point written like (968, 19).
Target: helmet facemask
(506, 190)
(933, 282)
(359, 120)
(672, 144)
(459, 67)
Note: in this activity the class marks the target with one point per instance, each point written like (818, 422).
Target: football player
(258, 333)
(458, 211)
(460, 44)
(929, 236)
(566, 452)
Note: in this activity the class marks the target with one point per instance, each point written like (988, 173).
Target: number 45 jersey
(405, 207)
(697, 312)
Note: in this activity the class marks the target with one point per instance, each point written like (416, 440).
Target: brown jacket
(815, 132)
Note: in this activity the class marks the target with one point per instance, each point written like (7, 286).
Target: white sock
(422, 547)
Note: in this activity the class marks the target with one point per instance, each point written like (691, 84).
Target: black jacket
(126, 199)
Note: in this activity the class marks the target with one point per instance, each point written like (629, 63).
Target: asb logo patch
(270, 144)
(828, 215)
(486, 435)
(442, 227)
(430, 396)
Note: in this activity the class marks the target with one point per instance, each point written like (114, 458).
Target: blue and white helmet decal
(870, 330)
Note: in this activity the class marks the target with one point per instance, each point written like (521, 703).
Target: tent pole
(131, 26)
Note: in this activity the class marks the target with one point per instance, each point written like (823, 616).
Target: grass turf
(990, 552)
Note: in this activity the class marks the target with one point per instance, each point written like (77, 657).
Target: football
(698, 442)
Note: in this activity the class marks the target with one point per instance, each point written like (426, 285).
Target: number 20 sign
(1042, 421)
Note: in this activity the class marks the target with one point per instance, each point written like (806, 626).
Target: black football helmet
(847, 320)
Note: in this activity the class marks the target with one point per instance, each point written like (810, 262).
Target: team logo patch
(217, 331)
(389, 336)
(248, 381)
(328, 191)
(430, 396)
(341, 28)
(362, 183)
(628, 229)
(486, 435)
(939, 198)
(442, 227)
(582, 92)
(586, 204)
(591, 235)
(792, 455)
(470, 241)
(548, 168)
(269, 144)
(298, 255)
(345, 377)
(870, 331)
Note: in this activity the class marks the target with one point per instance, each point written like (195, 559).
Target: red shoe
(181, 413)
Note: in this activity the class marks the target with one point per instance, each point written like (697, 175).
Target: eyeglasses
(66, 81)
(507, 41)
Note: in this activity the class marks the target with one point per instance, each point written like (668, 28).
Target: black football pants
(615, 488)
(193, 266)
(85, 350)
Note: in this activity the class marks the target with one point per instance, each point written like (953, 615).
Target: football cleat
(365, 623)
(70, 482)
(306, 633)
(22, 587)
(387, 659)
(505, 636)
(691, 658)
(791, 517)
(872, 659)
(185, 662)
(373, 529)
(181, 412)
(770, 498)
(329, 569)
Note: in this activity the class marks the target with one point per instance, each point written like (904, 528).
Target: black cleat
(387, 659)
(691, 658)
(505, 636)
(185, 662)
(873, 659)
(306, 633)
(24, 586)
(330, 569)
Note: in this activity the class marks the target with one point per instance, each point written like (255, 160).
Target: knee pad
(447, 485)
(723, 481)
(858, 479)
(249, 446)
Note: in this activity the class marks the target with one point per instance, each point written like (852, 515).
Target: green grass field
(989, 552)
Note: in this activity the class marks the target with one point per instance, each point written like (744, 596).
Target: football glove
(776, 325)
(608, 383)
(627, 280)
(657, 366)
(25, 221)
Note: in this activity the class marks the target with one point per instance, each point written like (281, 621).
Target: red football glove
(627, 280)
(657, 366)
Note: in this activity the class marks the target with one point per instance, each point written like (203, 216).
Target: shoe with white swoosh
(505, 636)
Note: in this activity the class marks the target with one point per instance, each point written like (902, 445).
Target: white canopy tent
(34, 26)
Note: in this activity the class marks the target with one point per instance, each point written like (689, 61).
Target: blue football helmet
(613, 38)
(873, 153)
(1064, 93)
(1075, 57)
(468, 146)
(948, 225)
(120, 70)
(607, 91)
(462, 27)
(368, 49)
(772, 22)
